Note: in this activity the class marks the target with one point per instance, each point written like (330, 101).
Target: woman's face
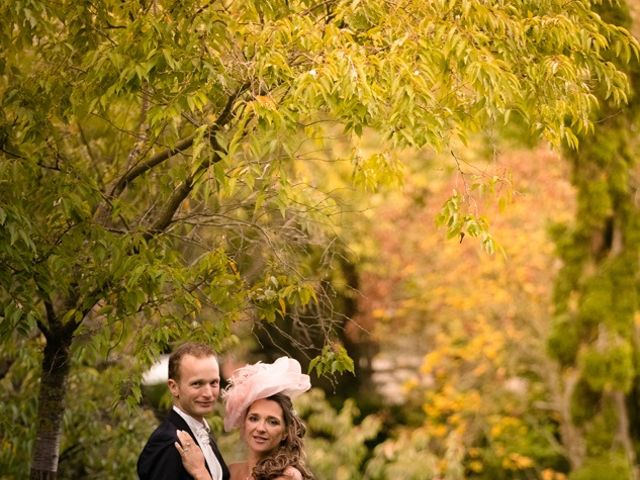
(264, 426)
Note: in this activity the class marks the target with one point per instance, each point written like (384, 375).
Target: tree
(156, 176)
(594, 338)
(463, 332)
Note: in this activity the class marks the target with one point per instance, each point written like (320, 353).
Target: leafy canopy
(152, 151)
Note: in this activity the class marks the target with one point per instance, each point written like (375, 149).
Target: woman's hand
(192, 457)
(290, 473)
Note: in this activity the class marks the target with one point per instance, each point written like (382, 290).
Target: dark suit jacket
(160, 459)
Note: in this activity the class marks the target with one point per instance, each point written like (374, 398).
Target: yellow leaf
(266, 102)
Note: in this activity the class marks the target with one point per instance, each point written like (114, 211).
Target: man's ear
(173, 387)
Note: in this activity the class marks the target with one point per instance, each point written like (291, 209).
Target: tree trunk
(624, 435)
(55, 371)
(570, 435)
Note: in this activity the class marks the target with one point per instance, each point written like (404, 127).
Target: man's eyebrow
(195, 380)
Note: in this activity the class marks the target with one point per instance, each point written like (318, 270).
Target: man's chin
(205, 409)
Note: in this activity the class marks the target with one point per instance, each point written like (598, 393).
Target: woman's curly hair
(290, 452)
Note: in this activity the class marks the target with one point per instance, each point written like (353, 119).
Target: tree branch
(14, 155)
(179, 194)
(139, 170)
(185, 188)
(5, 366)
(51, 314)
(181, 146)
(166, 215)
(45, 331)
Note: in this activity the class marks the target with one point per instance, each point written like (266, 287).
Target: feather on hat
(261, 380)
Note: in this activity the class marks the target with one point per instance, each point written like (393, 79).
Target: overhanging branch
(165, 216)
(181, 146)
(176, 199)
(184, 189)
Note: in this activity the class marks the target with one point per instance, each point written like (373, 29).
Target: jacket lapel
(180, 424)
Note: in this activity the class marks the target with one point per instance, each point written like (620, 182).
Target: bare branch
(51, 314)
(14, 155)
(143, 131)
(164, 219)
(139, 170)
(185, 188)
(181, 146)
(5, 365)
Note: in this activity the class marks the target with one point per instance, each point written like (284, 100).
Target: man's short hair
(198, 350)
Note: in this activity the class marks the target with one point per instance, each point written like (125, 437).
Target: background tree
(154, 184)
(595, 336)
(469, 390)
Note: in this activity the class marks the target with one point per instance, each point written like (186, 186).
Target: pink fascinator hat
(261, 380)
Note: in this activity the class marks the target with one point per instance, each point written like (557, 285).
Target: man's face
(197, 389)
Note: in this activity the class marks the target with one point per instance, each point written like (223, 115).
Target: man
(194, 383)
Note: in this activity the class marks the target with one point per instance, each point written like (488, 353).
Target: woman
(258, 401)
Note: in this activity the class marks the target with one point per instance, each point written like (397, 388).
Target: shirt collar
(197, 427)
(201, 432)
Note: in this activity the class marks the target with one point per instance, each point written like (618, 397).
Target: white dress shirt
(201, 431)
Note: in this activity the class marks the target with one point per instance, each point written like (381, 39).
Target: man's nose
(209, 391)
